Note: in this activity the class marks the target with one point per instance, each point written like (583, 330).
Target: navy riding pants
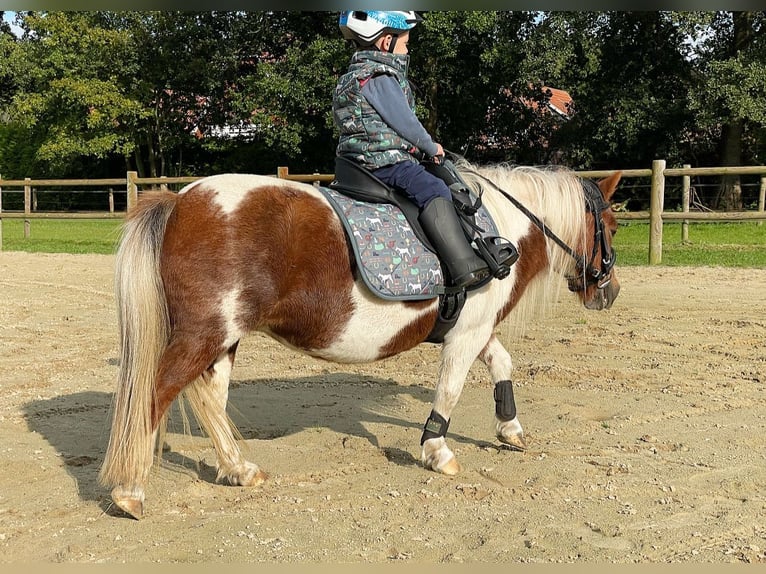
(416, 182)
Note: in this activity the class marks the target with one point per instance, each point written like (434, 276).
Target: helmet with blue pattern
(365, 27)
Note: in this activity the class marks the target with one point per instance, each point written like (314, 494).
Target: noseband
(587, 273)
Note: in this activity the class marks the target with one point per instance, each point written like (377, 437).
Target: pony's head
(595, 280)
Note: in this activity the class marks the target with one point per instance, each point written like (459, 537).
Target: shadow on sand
(77, 425)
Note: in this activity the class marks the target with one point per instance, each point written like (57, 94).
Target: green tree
(629, 76)
(554, 50)
(16, 151)
(288, 95)
(188, 66)
(731, 89)
(171, 93)
(68, 97)
(481, 96)
(442, 48)
(7, 48)
(136, 85)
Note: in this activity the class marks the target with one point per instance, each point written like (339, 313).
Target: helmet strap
(392, 45)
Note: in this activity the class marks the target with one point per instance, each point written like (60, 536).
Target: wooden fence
(131, 184)
(657, 214)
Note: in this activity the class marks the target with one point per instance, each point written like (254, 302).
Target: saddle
(360, 185)
(356, 182)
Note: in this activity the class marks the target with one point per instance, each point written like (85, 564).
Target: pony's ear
(608, 185)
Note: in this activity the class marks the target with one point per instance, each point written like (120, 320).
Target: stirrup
(499, 253)
(471, 279)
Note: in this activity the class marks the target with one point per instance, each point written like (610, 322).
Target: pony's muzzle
(604, 296)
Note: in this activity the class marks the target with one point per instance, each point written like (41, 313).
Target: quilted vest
(364, 136)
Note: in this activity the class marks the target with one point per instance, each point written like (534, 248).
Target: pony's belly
(348, 349)
(379, 328)
(376, 329)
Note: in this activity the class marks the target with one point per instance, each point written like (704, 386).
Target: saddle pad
(393, 262)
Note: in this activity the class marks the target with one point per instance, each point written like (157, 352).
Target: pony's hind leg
(129, 495)
(184, 360)
(507, 426)
(208, 396)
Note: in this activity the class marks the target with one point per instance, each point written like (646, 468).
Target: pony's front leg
(208, 396)
(458, 353)
(507, 426)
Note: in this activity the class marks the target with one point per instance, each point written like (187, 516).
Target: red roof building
(560, 102)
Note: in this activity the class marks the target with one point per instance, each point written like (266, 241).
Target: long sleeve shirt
(385, 95)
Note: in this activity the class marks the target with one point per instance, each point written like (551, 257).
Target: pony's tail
(144, 330)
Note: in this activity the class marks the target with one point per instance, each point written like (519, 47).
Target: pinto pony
(231, 254)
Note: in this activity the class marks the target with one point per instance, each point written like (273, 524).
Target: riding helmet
(366, 26)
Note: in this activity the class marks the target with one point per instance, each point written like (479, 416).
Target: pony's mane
(555, 195)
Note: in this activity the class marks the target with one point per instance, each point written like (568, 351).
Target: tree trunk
(730, 192)
(139, 163)
(432, 102)
(152, 158)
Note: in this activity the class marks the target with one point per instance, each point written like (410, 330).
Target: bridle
(595, 204)
(587, 272)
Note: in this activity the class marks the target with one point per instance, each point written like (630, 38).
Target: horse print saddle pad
(394, 263)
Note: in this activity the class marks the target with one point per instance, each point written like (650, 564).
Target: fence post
(762, 197)
(685, 192)
(656, 206)
(27, 207)
(282, 172)
(111, 200)
(132, 190)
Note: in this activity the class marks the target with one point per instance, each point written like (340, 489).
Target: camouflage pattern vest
(364, 136)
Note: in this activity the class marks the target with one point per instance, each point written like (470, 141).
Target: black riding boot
(440, 222)
(499, 253)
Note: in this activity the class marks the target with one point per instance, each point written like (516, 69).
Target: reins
(595, 275)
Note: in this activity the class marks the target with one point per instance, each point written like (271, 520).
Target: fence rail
(131, 185)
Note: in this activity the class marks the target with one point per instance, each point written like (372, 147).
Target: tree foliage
(171, 93)
(632, 101)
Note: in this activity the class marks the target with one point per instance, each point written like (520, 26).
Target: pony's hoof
(451, 468)
(515, 441)
(246, 474)
(130, 505)
(258, 478)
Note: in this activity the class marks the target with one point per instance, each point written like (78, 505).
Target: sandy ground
(645, 423)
